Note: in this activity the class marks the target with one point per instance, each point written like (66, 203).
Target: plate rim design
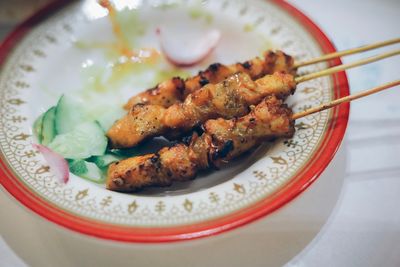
(307, 175)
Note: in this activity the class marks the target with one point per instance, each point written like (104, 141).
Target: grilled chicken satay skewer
(221, 141)
(228, 99)
(176, 89)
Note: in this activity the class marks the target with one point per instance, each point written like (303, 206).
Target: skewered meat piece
(228, 99)
(221, 141)
(176, 89)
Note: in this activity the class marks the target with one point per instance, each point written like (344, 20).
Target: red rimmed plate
(68, 48)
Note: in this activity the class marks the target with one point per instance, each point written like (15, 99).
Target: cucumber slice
(37, 128)
(86, 140)
(107, 119)
(87, 170)
(77, 166)
(105, 160)
(48, 126)
(126, 153)
(69, 114)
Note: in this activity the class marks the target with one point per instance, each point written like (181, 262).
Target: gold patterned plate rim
(334, 126)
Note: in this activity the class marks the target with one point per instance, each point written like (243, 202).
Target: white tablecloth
(364, 229)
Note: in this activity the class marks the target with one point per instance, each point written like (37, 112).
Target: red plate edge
(306, 177)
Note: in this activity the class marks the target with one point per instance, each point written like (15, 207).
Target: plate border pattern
(306, 176)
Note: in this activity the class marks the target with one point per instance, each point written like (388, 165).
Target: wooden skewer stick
(345, 66)
(344, 100)
(346, 52)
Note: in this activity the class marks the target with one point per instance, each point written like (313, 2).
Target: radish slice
(57, 163)
(185, 50)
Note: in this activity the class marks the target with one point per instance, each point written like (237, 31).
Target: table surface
(364, 229)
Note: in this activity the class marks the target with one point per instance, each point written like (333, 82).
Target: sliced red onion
(57, 163)
(185, 51)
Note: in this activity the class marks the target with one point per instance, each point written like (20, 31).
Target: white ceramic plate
(71, 52)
